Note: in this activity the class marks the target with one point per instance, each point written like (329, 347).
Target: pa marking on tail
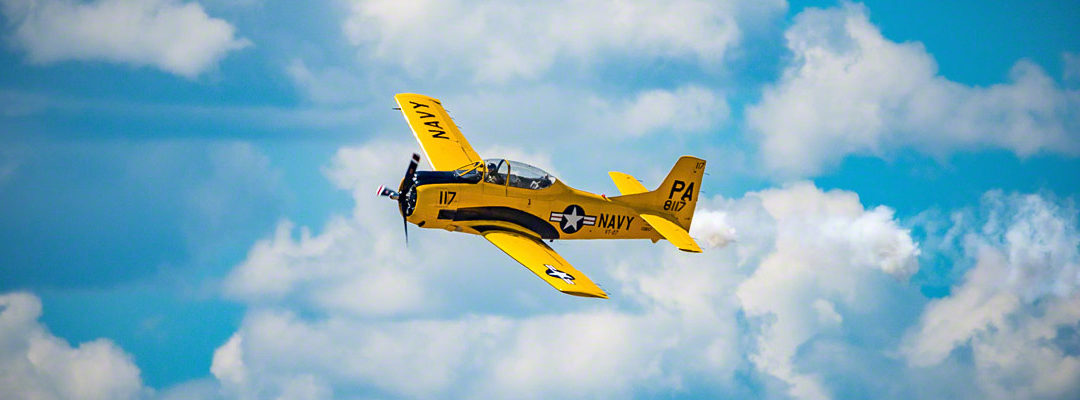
(686, 193)
(438, 132)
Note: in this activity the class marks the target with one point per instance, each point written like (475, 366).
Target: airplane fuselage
(555, 212)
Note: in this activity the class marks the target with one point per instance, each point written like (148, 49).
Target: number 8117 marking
(674, 205)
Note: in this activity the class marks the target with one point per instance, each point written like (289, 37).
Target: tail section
(670, 207)
(676, 198)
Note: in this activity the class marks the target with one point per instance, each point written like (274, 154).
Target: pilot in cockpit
(493, 175)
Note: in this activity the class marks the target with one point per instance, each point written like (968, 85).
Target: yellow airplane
(516, 206)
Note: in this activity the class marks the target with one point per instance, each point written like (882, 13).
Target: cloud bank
(500, 41)
(849, 91)
(35, 365)
(1018, 308)
(174, 36)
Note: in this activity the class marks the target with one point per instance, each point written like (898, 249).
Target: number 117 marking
(447, 197)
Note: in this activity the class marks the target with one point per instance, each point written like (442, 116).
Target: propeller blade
(407, 185)
(386, 192)
(409, 173)
(403, 193)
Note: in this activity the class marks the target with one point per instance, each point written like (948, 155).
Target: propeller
(405, 193)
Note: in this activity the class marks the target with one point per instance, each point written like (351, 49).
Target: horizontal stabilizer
(627, 184)
(672, 232)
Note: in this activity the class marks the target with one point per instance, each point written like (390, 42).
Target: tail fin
(676, 197)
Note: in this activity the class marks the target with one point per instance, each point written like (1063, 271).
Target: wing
(443, 144)
(545, 263)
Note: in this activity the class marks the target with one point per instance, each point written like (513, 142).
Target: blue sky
(891, 204)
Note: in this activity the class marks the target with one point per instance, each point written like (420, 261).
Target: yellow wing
(672, 232)
(545, 263)
(443, 144)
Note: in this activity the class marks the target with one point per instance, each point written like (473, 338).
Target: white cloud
(501, 41)
(355, 265)
(1015, 304)
(827, 249)
(686, 109)
(849, 90)
(174, 36)
(34, 364)
(560, 115)
(331, 85)
(589, 353)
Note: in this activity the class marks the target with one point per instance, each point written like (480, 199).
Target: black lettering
(678, 186)
(602, 220)
(425, 115)
(629, 220)
(689, 194)
(446, 197)
(438, 134)
(436, 124)
(416, 105)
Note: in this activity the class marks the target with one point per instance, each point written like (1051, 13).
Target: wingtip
(600, 295)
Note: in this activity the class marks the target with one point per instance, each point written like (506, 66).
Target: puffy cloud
(176, 37)
(589, 353)
(827, 249)
(500, 41)
(688, 108)
(34, 364)
(849, 90)
(354, 265)
(557, 113)
(1018, 308)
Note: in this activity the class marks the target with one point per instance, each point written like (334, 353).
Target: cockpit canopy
(501, 172)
